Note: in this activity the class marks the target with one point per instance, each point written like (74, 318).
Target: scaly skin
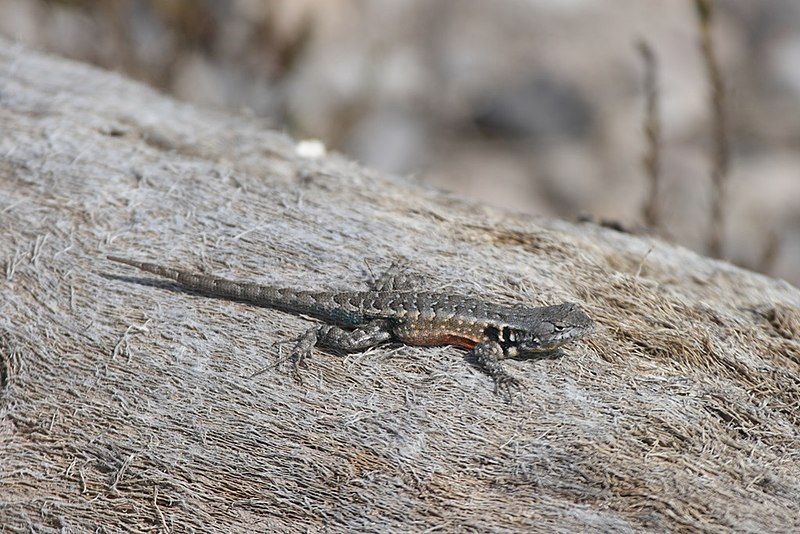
(394, 310)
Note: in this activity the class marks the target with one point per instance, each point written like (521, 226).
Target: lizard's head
(546, 329)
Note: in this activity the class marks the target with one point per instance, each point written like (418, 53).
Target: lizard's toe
(297, 375)
(302, 350)
(507, 384)
(298, 359)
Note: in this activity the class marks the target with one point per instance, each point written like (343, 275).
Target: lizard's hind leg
(334, 337)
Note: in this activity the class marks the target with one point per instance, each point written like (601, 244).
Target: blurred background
(532, 105)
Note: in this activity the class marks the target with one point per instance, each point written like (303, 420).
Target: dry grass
(132, 406)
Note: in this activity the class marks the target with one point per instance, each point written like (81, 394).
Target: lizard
(394, 310)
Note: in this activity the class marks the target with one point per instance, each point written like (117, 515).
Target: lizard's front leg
(488, 355)
(334, 337)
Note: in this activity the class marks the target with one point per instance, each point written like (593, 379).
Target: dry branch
(720, 163)
(652, 132)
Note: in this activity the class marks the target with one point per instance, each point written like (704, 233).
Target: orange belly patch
(424, 337)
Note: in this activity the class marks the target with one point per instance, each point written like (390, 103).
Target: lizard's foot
(334, 337)
(507, 384)
(301, 351)
(488, 355)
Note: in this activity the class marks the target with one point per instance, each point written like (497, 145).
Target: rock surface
(128, 405)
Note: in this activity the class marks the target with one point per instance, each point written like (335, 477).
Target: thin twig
(652, 132)
(721, 156)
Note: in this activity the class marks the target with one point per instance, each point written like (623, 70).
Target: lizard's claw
(298, 359)
(507, 384)
(296, 374)
(301, 351)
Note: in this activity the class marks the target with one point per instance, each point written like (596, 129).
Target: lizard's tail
(212, 285)
(160, 270)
